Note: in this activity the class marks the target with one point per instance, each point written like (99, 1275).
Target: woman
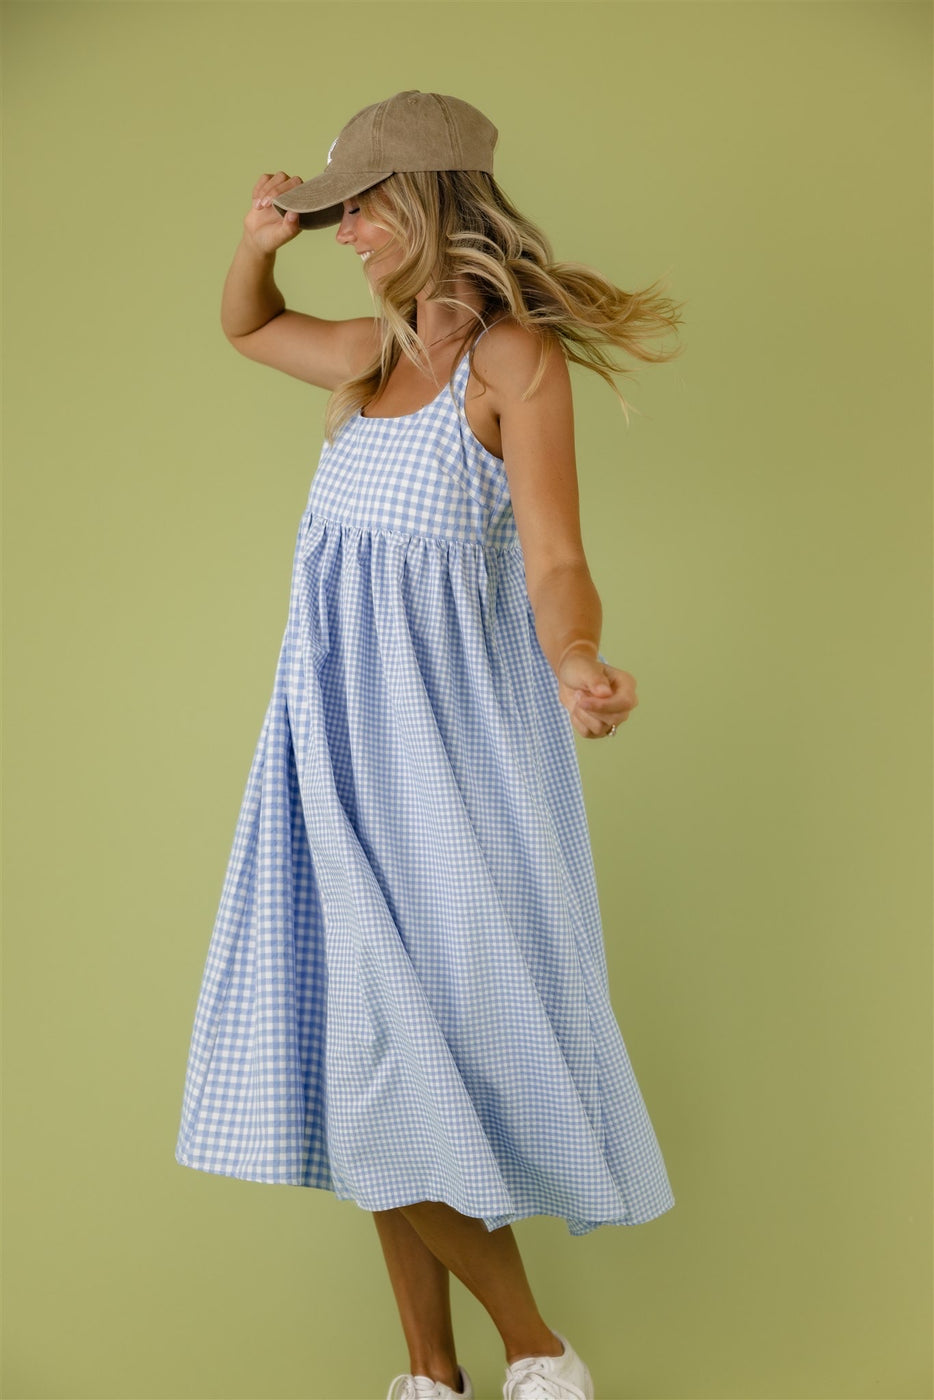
(405, 999)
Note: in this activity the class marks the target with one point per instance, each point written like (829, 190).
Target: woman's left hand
(596, 695)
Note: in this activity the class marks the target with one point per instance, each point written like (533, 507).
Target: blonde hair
(455, 224)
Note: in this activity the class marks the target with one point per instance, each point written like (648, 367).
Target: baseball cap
(412, 130)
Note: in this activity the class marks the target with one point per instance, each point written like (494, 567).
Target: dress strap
(462, 373)
(467, 359)
(491, 325)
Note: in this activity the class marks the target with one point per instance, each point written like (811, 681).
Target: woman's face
(365, 238)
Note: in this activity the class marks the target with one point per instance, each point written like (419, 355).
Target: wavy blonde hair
(455, 224)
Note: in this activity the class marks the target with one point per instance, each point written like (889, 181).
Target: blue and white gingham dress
(405, 995)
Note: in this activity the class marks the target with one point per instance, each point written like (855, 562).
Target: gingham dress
(405, 995)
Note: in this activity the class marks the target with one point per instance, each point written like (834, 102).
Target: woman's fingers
(589, 725)
(263, 225)
(269, 185)
(590, 732)
(594, 714)
(595, 721)
(610, 708)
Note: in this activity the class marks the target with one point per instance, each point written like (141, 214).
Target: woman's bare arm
(538, 451)
(541, 466)
(254, 317)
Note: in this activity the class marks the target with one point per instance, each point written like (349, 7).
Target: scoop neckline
(399, 417)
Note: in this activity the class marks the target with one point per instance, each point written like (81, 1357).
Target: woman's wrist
(581, 643)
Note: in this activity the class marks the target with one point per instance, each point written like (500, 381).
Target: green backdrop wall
(761, 540)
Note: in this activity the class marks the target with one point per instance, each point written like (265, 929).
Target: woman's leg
(489, 1264)
(421, 1284)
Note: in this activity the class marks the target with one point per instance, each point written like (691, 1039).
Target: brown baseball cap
(411, 131)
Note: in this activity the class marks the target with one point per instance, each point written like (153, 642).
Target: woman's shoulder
(509, 355)
(506, 340)
(504, 328)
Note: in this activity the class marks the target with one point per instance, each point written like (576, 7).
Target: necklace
(448, 336)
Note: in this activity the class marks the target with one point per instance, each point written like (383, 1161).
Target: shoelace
(529, 1380)
(408, 1387)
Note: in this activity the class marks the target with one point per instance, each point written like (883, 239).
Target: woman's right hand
(264, 226)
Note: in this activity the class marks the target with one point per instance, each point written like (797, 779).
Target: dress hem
(493, 1220)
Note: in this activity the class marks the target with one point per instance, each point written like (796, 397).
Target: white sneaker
(409, 1387)
(562, 1377)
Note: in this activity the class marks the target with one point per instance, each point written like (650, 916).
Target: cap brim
(320, 202)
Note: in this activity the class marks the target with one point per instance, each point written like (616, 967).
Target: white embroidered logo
(333, 144)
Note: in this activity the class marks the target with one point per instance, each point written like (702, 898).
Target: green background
(761, 541)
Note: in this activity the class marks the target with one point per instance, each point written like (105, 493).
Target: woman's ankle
(539, 1343)
(439, 1369)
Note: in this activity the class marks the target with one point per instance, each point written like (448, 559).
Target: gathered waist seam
(365, 527)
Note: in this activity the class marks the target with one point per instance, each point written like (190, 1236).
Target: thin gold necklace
(448, 336)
